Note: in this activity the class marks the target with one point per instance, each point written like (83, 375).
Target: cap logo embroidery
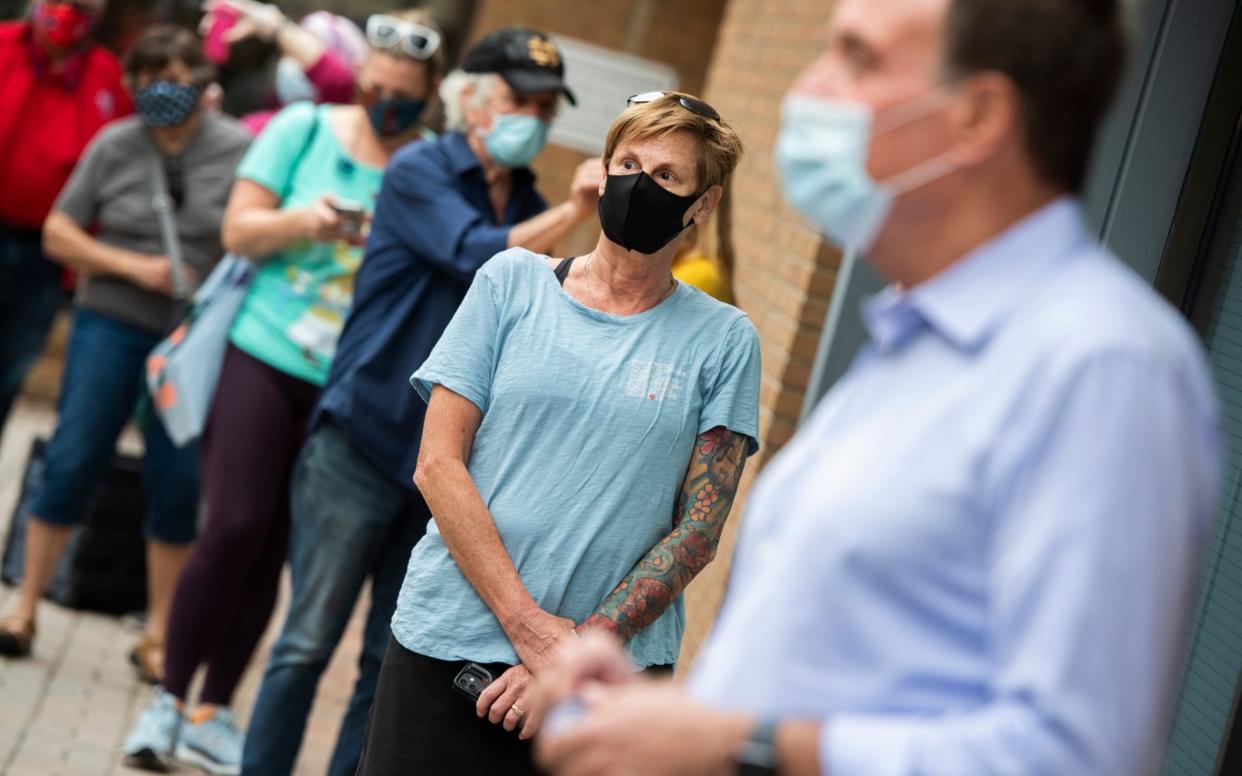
(543, 52)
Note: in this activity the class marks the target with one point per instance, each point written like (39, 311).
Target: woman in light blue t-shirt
(587, 424)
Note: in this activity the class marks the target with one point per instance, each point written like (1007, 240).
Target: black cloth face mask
(641, 215)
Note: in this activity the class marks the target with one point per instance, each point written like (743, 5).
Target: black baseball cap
(527, 59)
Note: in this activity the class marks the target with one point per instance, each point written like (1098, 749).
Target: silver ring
(516, 711)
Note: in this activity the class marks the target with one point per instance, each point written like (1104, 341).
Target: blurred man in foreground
(978, 556)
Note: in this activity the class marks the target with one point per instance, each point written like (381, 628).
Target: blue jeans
(29, 295)
(104, 370)
(350, 521)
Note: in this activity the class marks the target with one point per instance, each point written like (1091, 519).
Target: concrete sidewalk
(67, 709)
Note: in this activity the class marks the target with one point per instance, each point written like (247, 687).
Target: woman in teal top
(298, 209)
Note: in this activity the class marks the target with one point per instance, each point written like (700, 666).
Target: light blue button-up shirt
(979, 556)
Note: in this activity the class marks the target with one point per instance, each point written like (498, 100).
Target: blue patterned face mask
(394, 116)
(166, 104)
(515, 139)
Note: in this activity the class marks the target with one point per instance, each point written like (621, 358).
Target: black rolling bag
(104, 568)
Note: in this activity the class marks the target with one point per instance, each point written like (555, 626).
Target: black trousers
(421, 726)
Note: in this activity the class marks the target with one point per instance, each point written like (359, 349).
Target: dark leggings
(228, 589)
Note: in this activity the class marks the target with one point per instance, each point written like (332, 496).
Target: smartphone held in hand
(352, 214)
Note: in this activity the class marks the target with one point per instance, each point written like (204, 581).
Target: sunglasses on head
(692, 104)
(389, 32)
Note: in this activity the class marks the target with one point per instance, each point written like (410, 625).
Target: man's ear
(706, 205)
(986, 119)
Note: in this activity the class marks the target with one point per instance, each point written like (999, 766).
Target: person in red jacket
(57, 88)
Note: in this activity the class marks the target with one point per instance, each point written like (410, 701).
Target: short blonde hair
(722, 148)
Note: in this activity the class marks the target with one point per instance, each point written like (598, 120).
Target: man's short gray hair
(452, 90)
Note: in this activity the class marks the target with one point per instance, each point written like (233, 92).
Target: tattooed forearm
(662, 574)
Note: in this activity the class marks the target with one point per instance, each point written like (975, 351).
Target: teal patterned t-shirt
(300, 296)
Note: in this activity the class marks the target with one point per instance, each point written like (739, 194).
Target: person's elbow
(58, 236)
(234, 236)
(432, 469)
(464, 262)
(471, 250)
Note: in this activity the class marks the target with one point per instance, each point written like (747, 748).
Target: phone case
(471, 680)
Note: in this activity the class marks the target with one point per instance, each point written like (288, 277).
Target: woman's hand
(509, 701)
(155, 273)
(320, 222)
(151, 273)
(537, 636)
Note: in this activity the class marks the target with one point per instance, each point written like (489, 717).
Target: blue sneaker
(214, 745)
(149, 745)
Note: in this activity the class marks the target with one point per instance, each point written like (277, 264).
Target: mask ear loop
(906, 113)
(910, 111)
(919, 175)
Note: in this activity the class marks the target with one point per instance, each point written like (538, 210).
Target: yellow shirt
(704, 274)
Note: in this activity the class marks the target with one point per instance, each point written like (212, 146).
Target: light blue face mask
(515, 139)
(292, 85)
(822, 158)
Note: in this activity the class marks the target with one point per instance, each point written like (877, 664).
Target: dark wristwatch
(757, 757)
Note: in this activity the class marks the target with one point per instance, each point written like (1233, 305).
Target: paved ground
(67, 710)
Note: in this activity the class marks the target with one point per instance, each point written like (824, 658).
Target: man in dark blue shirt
(445, 207)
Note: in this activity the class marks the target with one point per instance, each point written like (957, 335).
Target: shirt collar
(70, 74)
(463, 160)
(970, 300)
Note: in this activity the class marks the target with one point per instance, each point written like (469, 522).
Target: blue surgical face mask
(822, 158)
(292, 84)
(166, 104)
(515, 139)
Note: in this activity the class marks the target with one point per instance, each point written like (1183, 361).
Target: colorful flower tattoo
(662, 574)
